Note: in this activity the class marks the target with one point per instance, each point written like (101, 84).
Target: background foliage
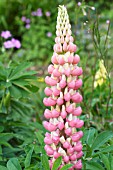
(22, 84)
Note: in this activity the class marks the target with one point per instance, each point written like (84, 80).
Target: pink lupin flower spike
(63, 117)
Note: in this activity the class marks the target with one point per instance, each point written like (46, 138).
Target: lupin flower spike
(101, 75)
(63, 122)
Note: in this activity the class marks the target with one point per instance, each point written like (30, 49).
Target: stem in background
(108, 74)
(109, 95)
(107, 35)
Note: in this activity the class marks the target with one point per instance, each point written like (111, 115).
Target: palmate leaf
(105, 161)
(21, 106)
(26, 86)
(4, 143)
(40, 137)
(89, 136)
(13, 164)
(15, 92)
(107, 149)
(9, 151)
(101, 139)
(19, 69)
(1, 129)
(18, 114)
(20, 82)
(45, 162)
(22, 91)
(66, 167)
(28, 158)
(3, 73)
(93, 166)
(111, 161)
(32, 88)
(25, 75)
(38, 126)
(57, 163)
(3, 168)
(6, 136)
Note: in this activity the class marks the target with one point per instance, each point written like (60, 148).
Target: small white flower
(107, 21)
(93, 8)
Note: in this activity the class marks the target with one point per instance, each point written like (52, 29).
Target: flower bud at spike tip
(63, 138)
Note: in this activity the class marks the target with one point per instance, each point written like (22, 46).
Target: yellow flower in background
(41, 79)
(100, 76)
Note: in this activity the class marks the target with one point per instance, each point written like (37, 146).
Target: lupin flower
(101, 74)
(63, 96)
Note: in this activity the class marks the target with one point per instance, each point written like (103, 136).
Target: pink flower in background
(12, 43)
(27, 20)
(23, 18)
(34, 13)
(63, 98)
(39, 12)
(6, 34)
(79, 3)
(48, 13)
(49, 34)
(27, 26)
(8, 44)
(16, 43)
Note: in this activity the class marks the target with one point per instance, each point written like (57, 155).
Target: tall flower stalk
(63, 98)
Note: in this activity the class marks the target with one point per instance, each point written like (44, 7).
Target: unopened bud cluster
(63, 98)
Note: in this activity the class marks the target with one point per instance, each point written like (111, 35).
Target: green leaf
(7, 100)
(40, 137)
(20, 82)
(3, 168)
(90, 136)
(105, 161)
(101, 139)
(111, 161)
(3, 73)
(26, 75)
(89, 153)
(7, 84)
(45, 162)
(28, 158)
(57, 163)
(93, 166)
(15, 92)
(13, 164)
(21, 67)
(1, 129)
(32, 88)
(66, 167)
(6, 136)
(2, 142)
(94, 101)
(37, 149)
(107, 149)
(39, 126)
